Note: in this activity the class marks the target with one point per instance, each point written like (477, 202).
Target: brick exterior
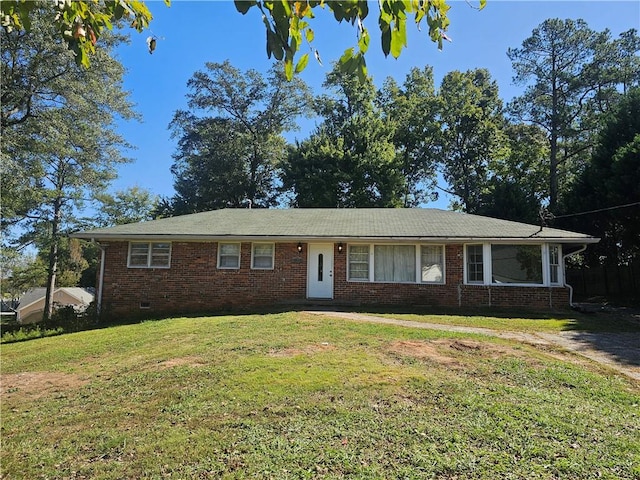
(194, 284)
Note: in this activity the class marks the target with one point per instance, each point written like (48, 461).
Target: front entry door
(320, 271)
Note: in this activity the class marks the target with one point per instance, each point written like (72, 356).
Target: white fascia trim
(367, 239)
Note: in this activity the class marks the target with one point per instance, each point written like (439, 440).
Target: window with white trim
(359, 263)
(149, 255)
(229, 255)
(394, 263)
(521, 264)
(512, 264)
(432, 263)
(475, 263)
(554, 264)
(391, 263)
(262, 256)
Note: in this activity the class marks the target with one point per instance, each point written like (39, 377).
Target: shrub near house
(242, 258)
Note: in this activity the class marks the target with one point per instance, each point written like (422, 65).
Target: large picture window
(228, 255)
(394, 263)
(513, 264)
(516, 264)
(149, 255)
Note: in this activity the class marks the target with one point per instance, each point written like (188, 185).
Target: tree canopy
(607, 193)
(350, 155)
(230, 140)
(60, 145)
(571, 75)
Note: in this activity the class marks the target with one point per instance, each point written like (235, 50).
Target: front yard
(294, 395)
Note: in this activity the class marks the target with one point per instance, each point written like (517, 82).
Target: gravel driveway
(619, 351)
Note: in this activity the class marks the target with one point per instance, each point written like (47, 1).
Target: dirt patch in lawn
(306, 350)
(35, 385)
(449, 352)
(421, 350)
(181, 362)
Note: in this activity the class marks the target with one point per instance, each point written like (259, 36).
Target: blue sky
(191, 33)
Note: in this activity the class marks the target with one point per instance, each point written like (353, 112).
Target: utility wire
(596, 211)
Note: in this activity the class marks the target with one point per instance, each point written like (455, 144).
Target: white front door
(320, 270)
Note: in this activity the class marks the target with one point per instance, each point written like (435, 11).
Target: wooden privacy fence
(617, 280)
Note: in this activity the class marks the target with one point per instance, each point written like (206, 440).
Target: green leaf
(302, 63)
(118, 12)
(363, 41)
(281, 20)
(398, 37)
(363, 9)
(243, 6)
(386, 41)
(346, 56)
(286, 7)
(274, 46)
(362, 69)
(338, 9)
(385, 19)
(310, 35)
(418, 18)
(288, 69)
(348, 63)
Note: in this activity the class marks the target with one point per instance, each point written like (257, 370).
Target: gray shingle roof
(347, 224)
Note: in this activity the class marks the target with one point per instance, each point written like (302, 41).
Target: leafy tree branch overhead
(288, 27)
(287, 22)
(79, 23)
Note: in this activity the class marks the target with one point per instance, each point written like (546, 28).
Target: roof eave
(336, 238)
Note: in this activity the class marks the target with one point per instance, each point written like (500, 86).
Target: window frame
(368, 263)
(219, 255)
(443, 252)
(417, 273)
(487, 270)
(484, 264)
(559, 265)
(516, 284)
(253, 255)
(149, 254)
(394, 245)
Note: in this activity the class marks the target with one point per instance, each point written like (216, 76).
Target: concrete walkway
(619, 351)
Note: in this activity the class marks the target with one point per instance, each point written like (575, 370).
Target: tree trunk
(553, 172)
(553, 147)
(53, 261)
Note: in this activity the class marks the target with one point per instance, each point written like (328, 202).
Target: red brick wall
(195, 284)
(453, 294)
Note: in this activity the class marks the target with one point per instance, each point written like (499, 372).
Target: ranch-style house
(246, 258)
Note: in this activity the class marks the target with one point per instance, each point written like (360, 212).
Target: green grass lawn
(294, 395)
(552, 323)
